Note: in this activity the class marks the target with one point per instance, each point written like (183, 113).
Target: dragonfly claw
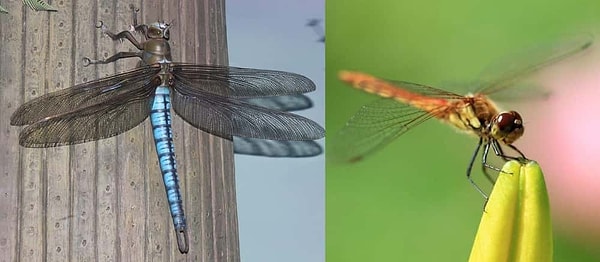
(102, 27)
(100, 24)
(133, 8)
(86, 61)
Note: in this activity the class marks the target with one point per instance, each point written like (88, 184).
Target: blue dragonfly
(209, 97)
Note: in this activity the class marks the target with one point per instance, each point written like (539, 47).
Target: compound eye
(154, 33)
(509, 121)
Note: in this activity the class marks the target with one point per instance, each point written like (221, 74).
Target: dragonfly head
(158, 30)
(507, 127)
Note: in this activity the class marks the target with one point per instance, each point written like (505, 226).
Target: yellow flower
(515, 226)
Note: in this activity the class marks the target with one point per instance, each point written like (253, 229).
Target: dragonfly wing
(282, 103)
(81, 96)
(102, 120)
(275, 148)
(392, 88)
(425, 90)
(239, 82)
(519, 66)
(374, 126)
(39, 5)
(227, 116)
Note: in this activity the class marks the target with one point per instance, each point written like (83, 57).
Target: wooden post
(105, 200)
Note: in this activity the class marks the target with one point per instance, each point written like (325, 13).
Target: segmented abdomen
(386, 89)
(160, 117)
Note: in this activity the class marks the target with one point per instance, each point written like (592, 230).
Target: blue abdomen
(160, 117)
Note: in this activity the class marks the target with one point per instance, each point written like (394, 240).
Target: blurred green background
(411, 201)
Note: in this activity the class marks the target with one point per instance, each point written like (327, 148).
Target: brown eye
(153, 32)
(509, 121)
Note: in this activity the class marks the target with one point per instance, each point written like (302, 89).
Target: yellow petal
(516, 223)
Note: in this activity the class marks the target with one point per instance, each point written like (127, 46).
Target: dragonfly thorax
(472, 114)
(479, 115)
(156, 51)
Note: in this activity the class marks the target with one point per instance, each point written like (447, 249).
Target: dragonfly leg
(87, 61)
(485, 165)
(470, 167)
(135, 27)
(499, 152)
(120, 36)
(485, 154)
(518, 151)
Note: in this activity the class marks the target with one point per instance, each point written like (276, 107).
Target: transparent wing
(425, 90)
(3, 10)
(374, 126)
(392, 88)
(97, 121)
(39, 5)
(282, 103)
(275, 148)
(377, 124)
(81, 96)
(227, 116)
(520, 66)
(239, 82)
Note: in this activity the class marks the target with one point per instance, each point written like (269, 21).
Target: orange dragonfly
(405, 105)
